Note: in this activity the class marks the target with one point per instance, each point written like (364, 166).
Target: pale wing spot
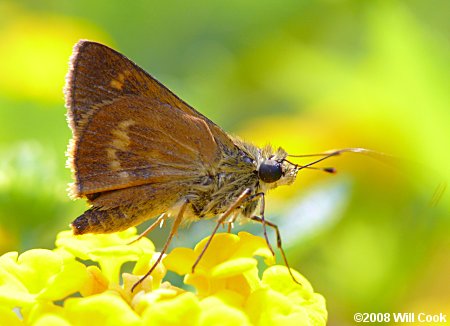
(125, 124)
(120, 141)
(115, 165)
(127, 73)
(114, 83)
(123, 175)
(121, 77)
(111, 152)
(118, 82)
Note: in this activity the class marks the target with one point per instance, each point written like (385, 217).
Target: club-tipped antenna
(326, 169)
(336, 152)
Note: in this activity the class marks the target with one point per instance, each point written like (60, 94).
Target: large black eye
(270, 171)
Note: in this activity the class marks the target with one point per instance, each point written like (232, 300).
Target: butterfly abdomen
(103, 221)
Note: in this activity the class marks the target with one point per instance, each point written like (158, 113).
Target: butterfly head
(274, 170)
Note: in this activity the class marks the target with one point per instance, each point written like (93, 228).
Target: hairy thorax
(217, 190)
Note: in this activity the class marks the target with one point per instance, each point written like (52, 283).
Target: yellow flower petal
(8, 269)
(34, 267)
(80, 244)
(252, 280)
(70, 279)
(242, 284)
(95, 283)
(146, 262)
(142, 300)
(106, 308)
(239, 284)
(111, 251)
(41, 308)
(279, 279)
(227, 254)
(226, 279)
(13, 293)
(9, 317)
(229, 260)
(317, 311)
(11, 296)
(222, 246)
(183, 310)
(38, 274)
(180, 260)
(263, 306)
(51, 320)
(216, 260)
(233, 267)
(251, 245)
(283, 302)
(216, 312)
(203, 285)
(129, 280)
(231, 298)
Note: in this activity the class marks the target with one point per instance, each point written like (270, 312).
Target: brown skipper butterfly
(139, 152)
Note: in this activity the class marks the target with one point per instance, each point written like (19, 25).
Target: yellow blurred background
(305, 75)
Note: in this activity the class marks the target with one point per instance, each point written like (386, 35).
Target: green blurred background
(307, 75)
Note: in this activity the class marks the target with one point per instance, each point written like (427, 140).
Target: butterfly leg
(230, 222)
(158, 221)
(244, 195)
(262, 206)
(173, 231)
(279, 246)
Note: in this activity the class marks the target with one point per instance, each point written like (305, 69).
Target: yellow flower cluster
(53, 287)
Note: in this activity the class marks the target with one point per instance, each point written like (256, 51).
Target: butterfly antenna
(328, 169)
(328, 154)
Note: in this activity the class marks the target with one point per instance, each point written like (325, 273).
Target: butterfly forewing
(99, 74)
(128, 129)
